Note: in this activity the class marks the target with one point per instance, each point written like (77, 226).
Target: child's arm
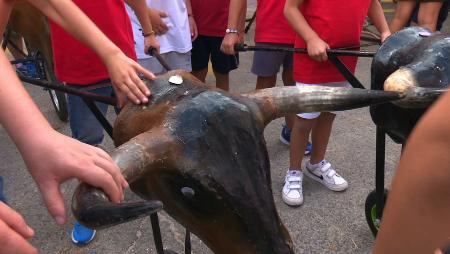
(317, 48)
(237, 10)
(376, 15)
(192, 24)
(140, 9)
(123, 71)
(158, 24)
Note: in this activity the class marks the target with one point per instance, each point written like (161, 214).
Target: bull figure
(416, 63)
(201, 151)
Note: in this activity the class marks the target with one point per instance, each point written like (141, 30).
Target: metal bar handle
(336, 52)
(153, 52)
(84, 94)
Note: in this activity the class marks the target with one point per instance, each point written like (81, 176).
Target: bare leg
(428, 15)
(222, 81)
(299, 138)
(320, 136)
(416, 218)
(201, 74)
(265, 82)
(403, 12)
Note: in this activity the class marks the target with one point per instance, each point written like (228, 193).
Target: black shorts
(206, 47)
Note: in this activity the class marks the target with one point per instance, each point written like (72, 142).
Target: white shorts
(313, 115)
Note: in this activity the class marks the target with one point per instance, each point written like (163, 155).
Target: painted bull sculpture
(201, 151)
(416, 63)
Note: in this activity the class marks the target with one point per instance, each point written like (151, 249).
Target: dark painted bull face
(416, 63)
(201, 151)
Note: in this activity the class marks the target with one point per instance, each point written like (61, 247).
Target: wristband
(231, 31)
(148, 34)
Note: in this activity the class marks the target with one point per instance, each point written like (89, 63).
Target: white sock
(315, 166)
(295, 171)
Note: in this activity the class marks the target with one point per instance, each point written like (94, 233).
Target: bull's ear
(92, 207)
(281, 101)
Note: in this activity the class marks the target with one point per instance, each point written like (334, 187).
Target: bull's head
(201, 151)
(416, 63)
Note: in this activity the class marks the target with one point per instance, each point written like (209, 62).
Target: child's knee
(303, 124)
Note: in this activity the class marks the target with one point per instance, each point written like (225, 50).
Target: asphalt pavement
(327, 222)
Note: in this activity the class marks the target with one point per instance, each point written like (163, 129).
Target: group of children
(191, 33)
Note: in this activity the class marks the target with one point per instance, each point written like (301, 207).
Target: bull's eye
(188, 192)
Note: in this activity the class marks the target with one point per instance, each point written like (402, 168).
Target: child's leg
(200, 54)
(428, 15)
(299, 138)
(222, 80)
(201, 74)
(265, 82)
(402, 15)
(320, 136)
(222, 63)
(266, 65)
(292, 193)
(83, 124)
(318, 168)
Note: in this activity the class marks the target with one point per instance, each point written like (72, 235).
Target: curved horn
(281, 101)
(92, 207)
(404, 81)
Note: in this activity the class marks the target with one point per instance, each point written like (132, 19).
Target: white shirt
(177, 38)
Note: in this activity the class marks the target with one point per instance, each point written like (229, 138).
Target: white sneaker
(292, 190)
(325, 174)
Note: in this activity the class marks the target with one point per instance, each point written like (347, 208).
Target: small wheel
(59, 102)
(374, 219)
(58, 98)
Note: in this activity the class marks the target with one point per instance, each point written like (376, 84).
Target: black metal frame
(90, 98)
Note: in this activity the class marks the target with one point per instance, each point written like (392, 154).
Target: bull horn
(93, 209)
(404, 81)
(90, 205)
(281, 101)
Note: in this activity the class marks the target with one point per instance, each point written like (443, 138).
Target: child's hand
(228, 43)
(383, 36)
(14, 232)
(317, 49)
(123, 72)
(193, 28)
(151, 41)
(158, 24)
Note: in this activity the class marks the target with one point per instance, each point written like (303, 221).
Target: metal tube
(92, 96)
(336, 52)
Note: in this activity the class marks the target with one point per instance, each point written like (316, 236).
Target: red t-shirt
(337, 22)
(271, 25)
(211, 16)
(78, 64)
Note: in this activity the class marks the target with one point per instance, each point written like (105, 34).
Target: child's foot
(292, 193)
(324, 173)
(285, 138)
